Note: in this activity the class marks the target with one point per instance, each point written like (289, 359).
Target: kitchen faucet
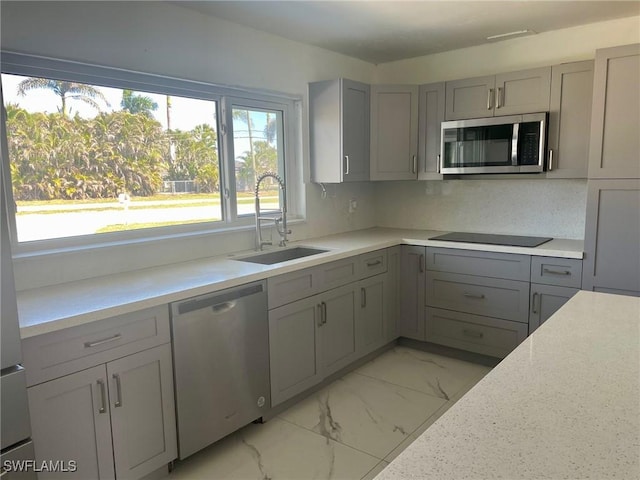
(282, 231)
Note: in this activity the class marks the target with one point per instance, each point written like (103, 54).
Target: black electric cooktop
(490, 239)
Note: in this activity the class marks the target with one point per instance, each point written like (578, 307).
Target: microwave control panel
(529, 143)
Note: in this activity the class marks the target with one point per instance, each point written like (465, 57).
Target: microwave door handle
(514, 145)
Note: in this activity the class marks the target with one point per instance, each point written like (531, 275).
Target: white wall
(167, 39)
(528, 207)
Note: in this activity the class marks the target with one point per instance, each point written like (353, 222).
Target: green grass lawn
(120, 227)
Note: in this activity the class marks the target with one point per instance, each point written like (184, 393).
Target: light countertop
(565, 404)
(56, 307)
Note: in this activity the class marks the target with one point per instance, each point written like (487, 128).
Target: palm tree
(245, 117)
(133, 103)
(65, 90)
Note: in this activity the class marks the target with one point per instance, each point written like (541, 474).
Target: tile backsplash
(554, 208)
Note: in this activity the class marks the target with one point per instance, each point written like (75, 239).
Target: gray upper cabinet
(470, 98)
(525, 91)
(394, 132)
(570, 119)
(431, 115)
(339, 131)
(612, 237)
(615, 122)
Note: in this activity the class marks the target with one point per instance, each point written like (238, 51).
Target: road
(74, 221)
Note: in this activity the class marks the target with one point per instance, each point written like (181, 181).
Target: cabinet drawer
(486, 264)
(564, 272)
(61, 353)
(475, 333)
(493, 297)
(373, 263)
(294, 286)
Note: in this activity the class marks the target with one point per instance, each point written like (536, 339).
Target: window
(97, 153)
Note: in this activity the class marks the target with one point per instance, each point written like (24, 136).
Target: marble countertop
(56, 307)
(565, 404)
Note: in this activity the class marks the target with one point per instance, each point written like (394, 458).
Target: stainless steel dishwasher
(221, 363)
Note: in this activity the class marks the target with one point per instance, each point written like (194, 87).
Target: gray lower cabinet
(570, 119)
(545, 301)
(373, 314)
(430, 116)
(392, 292)
(474, 333)
(612, 237)
(117, 418)
(615, 122)
(412, 291)
(310, 339)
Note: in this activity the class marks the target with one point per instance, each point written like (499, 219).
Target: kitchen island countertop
(48, 309)
(565, 404)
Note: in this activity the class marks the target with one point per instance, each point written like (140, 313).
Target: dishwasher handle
(222, 302)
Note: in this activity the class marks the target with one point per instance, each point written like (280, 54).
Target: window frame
(226, 98)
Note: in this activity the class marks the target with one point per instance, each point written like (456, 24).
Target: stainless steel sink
(278, 256)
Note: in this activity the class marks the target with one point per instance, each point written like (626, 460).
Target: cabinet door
(394, 132)
(431, 115)
(570, 119)
(612, 237)
(470, 98)
(294, 348)
(412, 292)
(615, 122)
(142, 412)
(70, 421)
(392, 293)
(545, 301)
(372, 314)
(526, 91)
(338, 331)
(355, 131)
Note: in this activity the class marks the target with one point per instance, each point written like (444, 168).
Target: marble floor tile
(375, 470)
(275, 450)
(365, 413)
(433, 374)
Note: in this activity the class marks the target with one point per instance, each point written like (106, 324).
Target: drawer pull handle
(117, 336)
(477, 296)
(373, 264)
(103, 397)
(324, 312)
(363, 297)
(421, 263)
(533, 303)
(556, 272)
(118, 402)
(473, 333)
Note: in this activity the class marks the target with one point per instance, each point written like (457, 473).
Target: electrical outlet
(353, 204)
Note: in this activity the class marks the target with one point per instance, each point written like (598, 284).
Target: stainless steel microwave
(510, 144)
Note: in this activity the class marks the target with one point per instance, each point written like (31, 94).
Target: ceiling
(384, 31)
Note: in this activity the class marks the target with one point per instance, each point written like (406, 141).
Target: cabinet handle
(363, 297)
(421, 263)
(117, 336)
(373, 264)
(499, 97)
(346, 165)
(474, 295)
(438, 164)
(472, 333)
(490, 99)
(550, 160)
(118, 402)
(414, 163)
(324, 312)
(103, 397)
(533, 303)
(556, 272)
(319, 307)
